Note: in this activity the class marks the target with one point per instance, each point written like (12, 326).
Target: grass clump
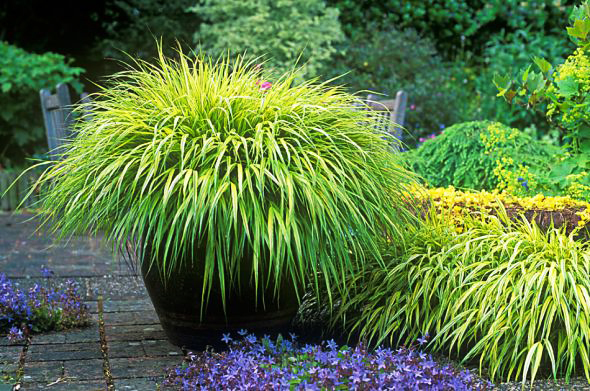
(503, 293)
(192, 156)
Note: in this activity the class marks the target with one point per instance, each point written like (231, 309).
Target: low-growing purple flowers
(282, 364)
(41, 308)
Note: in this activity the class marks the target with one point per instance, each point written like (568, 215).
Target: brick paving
(137, 351)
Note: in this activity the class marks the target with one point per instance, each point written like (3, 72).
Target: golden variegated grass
(507, 294)
(193, 154)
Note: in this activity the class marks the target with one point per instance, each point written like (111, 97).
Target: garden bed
(546, 212)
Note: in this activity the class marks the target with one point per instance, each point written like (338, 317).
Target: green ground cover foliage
(483, 155)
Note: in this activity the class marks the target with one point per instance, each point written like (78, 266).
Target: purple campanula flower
(311, 367)
(226, 338)
(15, 335)
(46, 273)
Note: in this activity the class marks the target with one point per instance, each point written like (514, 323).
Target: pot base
(178, 305)
(188, 333)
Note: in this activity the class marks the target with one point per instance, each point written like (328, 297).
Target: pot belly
(178, 305)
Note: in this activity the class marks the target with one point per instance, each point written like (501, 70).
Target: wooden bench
(13, 194)
(58, 118)
(393, 112)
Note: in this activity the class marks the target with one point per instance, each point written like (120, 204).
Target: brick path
(137, 352)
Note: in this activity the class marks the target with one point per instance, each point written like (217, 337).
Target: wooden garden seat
(57, 115)
(393, 112)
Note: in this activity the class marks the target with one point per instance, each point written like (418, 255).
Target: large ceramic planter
(178, 305)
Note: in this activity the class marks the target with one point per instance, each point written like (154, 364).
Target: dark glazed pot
(178, 305)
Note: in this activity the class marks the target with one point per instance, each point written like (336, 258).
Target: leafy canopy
(190, 156)
(22, 75)
(283, 30)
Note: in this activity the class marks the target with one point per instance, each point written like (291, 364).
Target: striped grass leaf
(507, 294)
(191, 153)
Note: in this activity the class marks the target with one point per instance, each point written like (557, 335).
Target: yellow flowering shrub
(575, 214)
(513, 177)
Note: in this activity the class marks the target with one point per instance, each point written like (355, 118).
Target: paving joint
(20, 371)
(104, 348)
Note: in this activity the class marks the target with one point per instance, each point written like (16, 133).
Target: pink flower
(412, 107)
(265, 86)
(421, 139)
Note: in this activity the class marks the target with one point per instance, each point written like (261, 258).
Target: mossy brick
(138, 383)
(43, 372)
(84, 369)
(69, 351)
(161, 348)
(142, 367)
(134, 332)
(129, 349)
(89, 334)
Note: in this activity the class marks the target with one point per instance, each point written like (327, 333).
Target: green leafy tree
(385, 61)
(284, 32)
(563, 92)
(22, 75)
(509, 52)
(131, 26)
(454, 25)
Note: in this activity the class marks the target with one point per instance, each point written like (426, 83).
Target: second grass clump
(504, 294)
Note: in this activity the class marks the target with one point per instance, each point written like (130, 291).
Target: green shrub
(390, 60)
(22, 75)
(194, 156)
(454, 25)
(506, 294)
(483, 155)
(279, 30)
(509, 52)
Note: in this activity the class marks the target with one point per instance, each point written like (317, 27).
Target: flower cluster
(263, 85)
(41, 308)
(460, 203)
(513, 178)
(577, 70)
(283, 364)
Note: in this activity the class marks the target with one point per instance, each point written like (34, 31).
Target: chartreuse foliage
(195, 155)
(574, 214)
(506, 294)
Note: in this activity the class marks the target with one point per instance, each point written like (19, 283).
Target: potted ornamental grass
(234, 192)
